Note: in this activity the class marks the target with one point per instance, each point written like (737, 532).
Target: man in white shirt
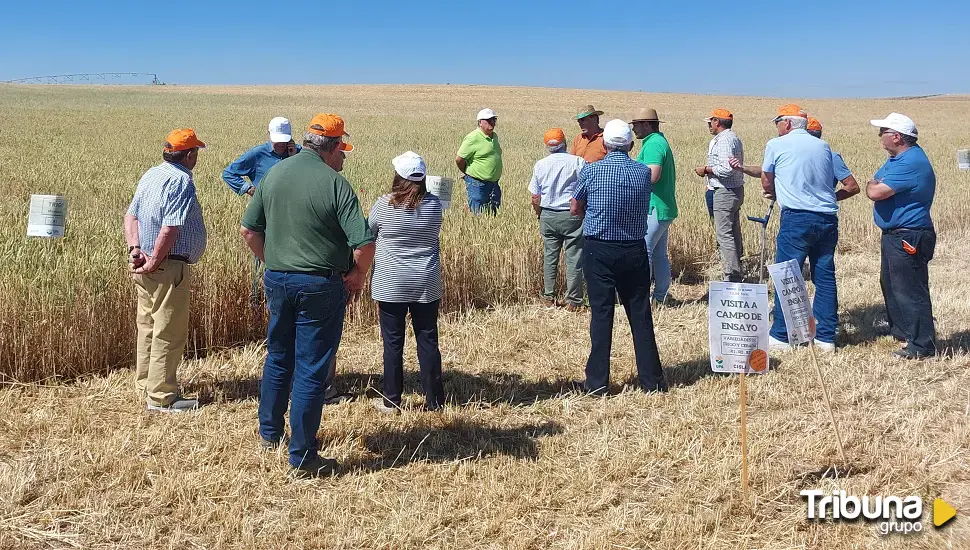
(553, 181)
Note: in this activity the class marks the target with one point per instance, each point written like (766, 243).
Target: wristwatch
(130, 248)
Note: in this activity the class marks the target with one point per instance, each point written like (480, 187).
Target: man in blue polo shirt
(614, 194)
(797, 170)
(902, 192)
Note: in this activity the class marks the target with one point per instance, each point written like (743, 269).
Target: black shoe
(268, 444)
(315, 467)
(909, 354)
(658, 388)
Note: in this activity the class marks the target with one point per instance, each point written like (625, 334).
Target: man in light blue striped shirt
(165, 234)
(553, 181)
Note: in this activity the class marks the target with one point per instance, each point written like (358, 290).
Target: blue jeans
(306, 319)
(483, 195)
(709, 199)
(657, 233)
(811, 235)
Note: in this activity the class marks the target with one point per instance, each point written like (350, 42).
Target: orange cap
(328, 125)
(814, 125)
(182, 139)
(720, 113)
(554, 137)
(790, 110)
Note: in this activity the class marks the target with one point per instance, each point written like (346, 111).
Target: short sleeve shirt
(309, 214)
(483, 155)
(407, 264)
(911, 176)
(802, 165)
(592, 149)
(655, 150)
(617, 194)
(165, 196)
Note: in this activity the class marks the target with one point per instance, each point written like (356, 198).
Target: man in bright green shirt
(480, 161)
(656, 154)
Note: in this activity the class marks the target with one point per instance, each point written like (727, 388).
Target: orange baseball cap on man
(182, 139)
(814, 125)
(328, 125)
(554, 137)
(790, 110)
(719, 113)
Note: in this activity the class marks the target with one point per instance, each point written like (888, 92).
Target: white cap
(410, 166)
(897, 123)
(279, 130)
(486, 114)
(617, 133)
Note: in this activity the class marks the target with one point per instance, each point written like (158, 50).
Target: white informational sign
(440, 187)
(793, 295)
(738, 327)
(47, 215)
(963, 159)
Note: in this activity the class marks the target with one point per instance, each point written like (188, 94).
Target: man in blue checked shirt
(165, 235)
(614, 195)
(254, 163)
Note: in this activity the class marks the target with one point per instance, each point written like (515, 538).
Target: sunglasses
(887, 131)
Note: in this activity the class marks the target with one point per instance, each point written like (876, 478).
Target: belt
(178, 258)
(897, 230)
(554, 210)
(326, 273)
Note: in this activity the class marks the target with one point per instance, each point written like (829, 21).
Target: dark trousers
(905, 285)
(424, 320)
(611, 268)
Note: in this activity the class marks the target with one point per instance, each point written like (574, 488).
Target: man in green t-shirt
(480, 161)
(656, 154)
(305, 223)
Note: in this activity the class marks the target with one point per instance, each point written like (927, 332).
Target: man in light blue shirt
(797, 169)
(254, 163)
(553, 181)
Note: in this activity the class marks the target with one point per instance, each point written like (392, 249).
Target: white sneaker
(178, 406)
(824, 347)
(777, 345)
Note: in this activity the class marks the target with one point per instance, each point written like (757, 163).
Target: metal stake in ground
(764, 236)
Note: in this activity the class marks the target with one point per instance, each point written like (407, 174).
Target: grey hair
(797, 122)
(621, 148)
(556, 148)
(320, 144)
(909, 140)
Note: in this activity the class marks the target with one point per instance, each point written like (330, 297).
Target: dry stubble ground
(516, 461)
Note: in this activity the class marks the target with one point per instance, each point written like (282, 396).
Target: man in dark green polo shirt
(656, 154)
(303, 222)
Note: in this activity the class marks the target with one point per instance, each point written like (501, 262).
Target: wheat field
(516, 460)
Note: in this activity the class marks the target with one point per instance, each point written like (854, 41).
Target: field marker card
(795, 304)
(440, 187)
(46, 217)
(738, 327)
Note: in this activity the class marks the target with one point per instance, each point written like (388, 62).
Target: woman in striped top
(407, 277)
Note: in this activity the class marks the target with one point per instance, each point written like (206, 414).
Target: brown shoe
(547, 303)
(574, 309)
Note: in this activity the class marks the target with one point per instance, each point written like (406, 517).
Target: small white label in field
(440, 187)
(795, 304)
(738, 327)
(963, 159)
(47, 215)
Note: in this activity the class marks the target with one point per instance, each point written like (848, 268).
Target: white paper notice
(795, 305)
(47, 215)
(440, 187)
(738, 327)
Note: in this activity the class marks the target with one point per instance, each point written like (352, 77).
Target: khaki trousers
(163, 329)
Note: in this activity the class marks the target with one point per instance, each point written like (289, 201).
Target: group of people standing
(610, 212)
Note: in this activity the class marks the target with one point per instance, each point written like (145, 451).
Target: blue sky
(824, 48)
